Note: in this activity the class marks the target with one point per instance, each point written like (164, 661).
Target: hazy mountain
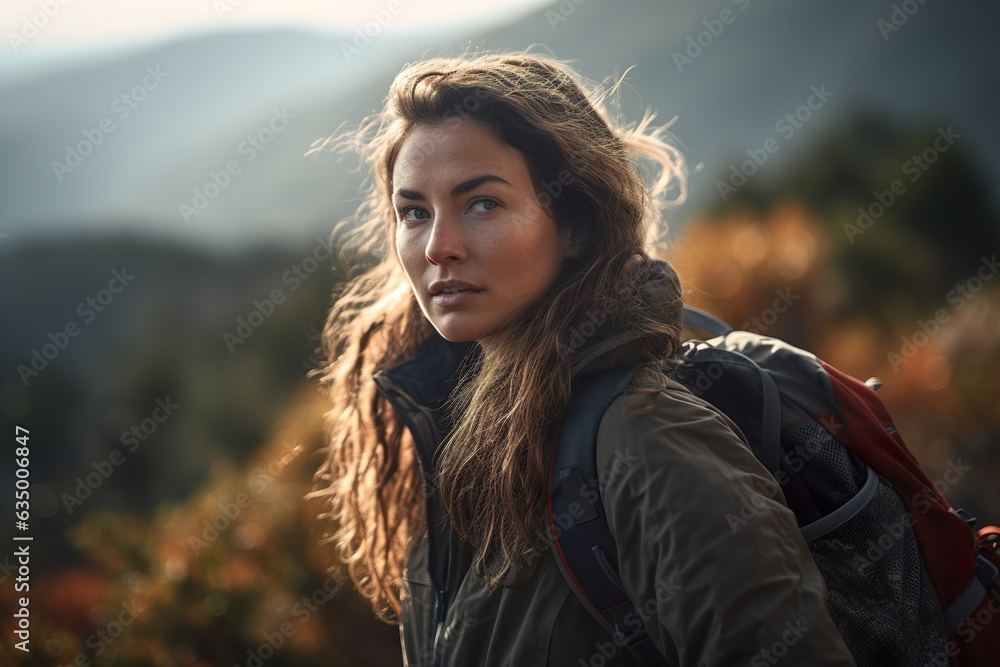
(214, 90)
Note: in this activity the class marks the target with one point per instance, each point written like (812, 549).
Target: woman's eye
(488, 204)
(405, 214)
(415, 213)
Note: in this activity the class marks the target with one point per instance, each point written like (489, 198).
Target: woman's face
(468, 219)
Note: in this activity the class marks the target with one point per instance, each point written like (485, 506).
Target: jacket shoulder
(693, 512)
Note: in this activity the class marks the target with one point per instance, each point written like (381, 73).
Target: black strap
(770, 433)
(585, 548)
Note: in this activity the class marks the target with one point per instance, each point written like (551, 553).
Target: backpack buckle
(987, 572)
(969, 520)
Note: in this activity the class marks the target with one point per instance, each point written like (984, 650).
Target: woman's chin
(456, 333)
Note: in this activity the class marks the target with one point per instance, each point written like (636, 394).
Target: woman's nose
(446, 242)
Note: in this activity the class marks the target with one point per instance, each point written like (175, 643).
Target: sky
(38, 31)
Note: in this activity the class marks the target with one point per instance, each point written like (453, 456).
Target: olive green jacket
(707, 548)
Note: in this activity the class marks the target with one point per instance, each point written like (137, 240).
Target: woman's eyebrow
(464, 186)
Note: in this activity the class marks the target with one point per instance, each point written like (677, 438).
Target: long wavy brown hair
(490, 471)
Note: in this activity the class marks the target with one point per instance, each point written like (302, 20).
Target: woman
(504, 246)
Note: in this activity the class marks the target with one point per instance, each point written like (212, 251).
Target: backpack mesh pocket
(878, 592)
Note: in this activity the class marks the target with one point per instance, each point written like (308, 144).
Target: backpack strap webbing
(585, 549)
(696, 318)
(768, 450)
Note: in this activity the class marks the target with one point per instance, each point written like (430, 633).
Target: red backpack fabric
(957, 561)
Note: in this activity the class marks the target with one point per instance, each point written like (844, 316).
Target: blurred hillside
(234, 575)
(163, 338)
(214, 93)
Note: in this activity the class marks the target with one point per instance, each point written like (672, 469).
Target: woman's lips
(450, 299)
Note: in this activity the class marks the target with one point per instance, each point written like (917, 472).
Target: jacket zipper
(428, 432)
(441, 611)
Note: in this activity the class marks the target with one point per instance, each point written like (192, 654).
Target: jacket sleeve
(707, 548)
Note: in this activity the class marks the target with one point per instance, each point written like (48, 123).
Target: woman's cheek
(406, 249)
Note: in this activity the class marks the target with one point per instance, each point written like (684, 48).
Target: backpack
(856, 491)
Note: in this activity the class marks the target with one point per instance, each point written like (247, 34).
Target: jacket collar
(429, 376)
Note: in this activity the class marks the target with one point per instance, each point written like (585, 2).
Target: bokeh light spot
(54, 647)
(43, 501)
(936, 372)
(217, 604)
